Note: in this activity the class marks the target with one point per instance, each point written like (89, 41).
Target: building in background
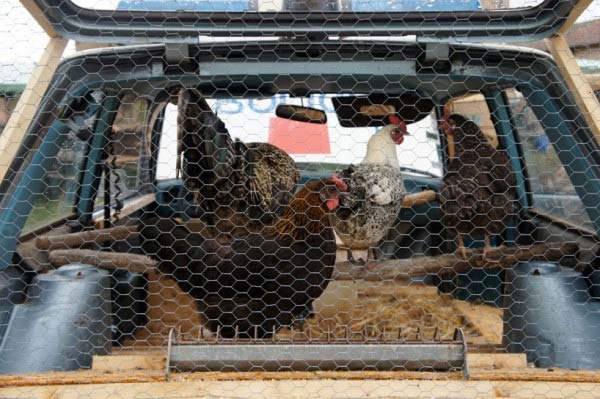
(9, 95)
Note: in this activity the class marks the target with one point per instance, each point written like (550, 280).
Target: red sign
(299, 137)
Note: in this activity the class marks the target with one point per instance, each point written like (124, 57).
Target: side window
(61, 183)
(551, 188)
(125, 148)
(128, 131)
(167, 148)
(61, 179)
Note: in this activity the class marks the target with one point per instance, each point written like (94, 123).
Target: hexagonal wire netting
(297, 185)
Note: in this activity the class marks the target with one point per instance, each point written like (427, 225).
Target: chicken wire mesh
(298, 201)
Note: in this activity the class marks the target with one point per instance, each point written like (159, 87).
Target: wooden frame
(575, 14)
(571, 72)
(39, 17)
(594, 80)
(577, 82)
(20, 119)
(28, 103)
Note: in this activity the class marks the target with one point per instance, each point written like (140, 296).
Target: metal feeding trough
(277, 354)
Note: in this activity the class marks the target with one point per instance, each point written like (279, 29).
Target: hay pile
(346, 310)
(382, 311)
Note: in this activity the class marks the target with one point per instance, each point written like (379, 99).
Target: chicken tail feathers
(212, 161)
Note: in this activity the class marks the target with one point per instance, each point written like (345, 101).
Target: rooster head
(331, 191)
(451, 123)
(397, 129)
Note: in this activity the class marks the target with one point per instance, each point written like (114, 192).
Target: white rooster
(375, 192)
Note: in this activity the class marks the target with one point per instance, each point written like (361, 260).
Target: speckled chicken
(375, 192)
(477, 195)
(240, 187)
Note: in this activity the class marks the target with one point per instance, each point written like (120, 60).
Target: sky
(22, 41)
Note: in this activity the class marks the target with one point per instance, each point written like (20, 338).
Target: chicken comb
(339, 183)
(393, 118)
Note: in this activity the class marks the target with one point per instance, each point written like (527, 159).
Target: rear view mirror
(301, 114)
(375, 110)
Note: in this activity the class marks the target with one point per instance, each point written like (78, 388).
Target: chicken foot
(301, 320)
(372, 253)
(487, 247)
(359, 262)
(461, 246)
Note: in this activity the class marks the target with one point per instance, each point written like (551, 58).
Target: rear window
(325, 146)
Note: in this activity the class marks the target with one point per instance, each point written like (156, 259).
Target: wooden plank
(130, 362)
(155, 374)
(20, 119)
(533, 374)
(579, 8)
(487, 320)
(300, 389)
(496, 361)
(79, 378)
(576, 82)
(594, 80)
(125, 376)
(39, 17)
(82, 46)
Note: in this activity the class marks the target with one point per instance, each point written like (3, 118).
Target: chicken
(255, 284)
(375, 192)
(239, 187)
(477, 195)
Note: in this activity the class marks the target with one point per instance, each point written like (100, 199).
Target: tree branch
(501, 257)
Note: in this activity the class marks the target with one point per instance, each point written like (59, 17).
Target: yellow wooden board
(324, 389)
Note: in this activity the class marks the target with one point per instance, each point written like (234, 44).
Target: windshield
(323, 146)
(306, 5)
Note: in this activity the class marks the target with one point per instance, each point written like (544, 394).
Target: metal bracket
(437, 51)
(177, 52)
(169, 345)
(459, 335)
